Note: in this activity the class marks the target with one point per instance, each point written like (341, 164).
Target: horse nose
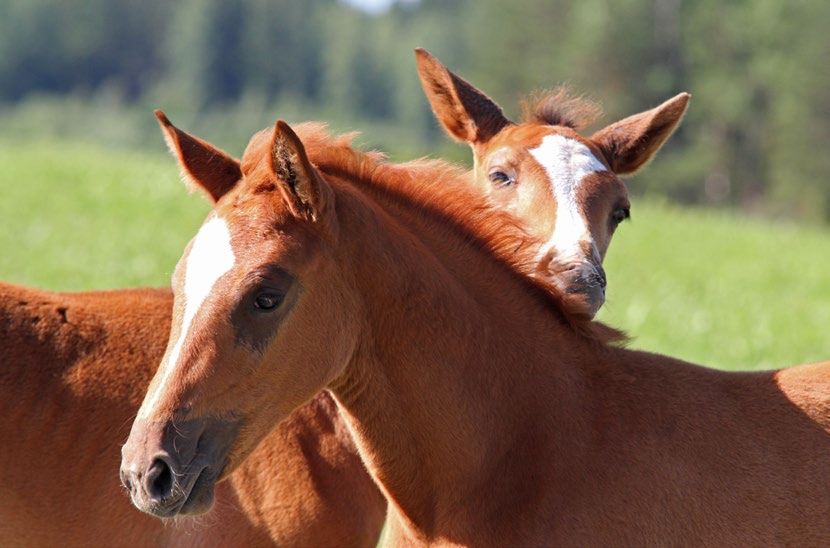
(158, 481)
(127, 480)
(601, 278)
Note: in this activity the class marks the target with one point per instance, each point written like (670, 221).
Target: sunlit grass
(76, 216)
(704, 286)
(720, 290)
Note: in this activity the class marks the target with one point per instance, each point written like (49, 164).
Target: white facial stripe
(211, 256)
(567, 163)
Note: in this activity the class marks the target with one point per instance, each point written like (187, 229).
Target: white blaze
(567, 163)
(211, 256)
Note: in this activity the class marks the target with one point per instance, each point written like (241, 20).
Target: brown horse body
(74, 369)
(486, 415)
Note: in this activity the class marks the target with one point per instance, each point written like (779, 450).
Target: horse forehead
(572, 150)
(517, 138)
(569, 164)
(567, 161)
(526, 138)
(211, 256)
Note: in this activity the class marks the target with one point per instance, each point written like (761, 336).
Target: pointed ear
(306, 192)
(203, 166)
(467, 114)
(630, 143)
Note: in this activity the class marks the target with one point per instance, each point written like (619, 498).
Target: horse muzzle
(582, 283)
(170, 467)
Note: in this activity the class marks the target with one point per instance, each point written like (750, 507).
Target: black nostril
(159, 480)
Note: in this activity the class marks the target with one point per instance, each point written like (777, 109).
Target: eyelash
(501, 179)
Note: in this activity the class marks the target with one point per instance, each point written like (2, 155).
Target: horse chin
(583, 303)
(201, 496)
(202, 491)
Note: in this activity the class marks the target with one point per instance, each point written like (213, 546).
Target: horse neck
(451, 339)
(333, 502)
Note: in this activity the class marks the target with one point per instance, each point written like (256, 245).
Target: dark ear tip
(282, 129)
(162, 118)
(423, 57)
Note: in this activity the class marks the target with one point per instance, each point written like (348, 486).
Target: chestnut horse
(485, 414)
(74, 369)
(264, 486)
(566, 188)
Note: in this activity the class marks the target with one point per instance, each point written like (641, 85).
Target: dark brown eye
(619, 215)
(267, 301)
(500, 178)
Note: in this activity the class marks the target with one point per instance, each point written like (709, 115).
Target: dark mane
(444, 192)
(559, 107)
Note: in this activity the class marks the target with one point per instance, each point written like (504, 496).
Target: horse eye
(620, 215)
(500, 178)
(267, 301)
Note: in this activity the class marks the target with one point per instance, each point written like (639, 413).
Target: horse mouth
(161, 509)
(192, 497)
(200, 498)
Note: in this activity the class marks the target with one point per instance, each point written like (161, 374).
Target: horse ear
(630, 143)
(299, 181)
(466, 113)
(203, 166)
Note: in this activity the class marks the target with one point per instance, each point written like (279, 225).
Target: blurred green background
(726, 259)
(757, 70)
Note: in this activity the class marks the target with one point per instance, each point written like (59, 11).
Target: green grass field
(698, 285)
(78, 216)
(720, 290)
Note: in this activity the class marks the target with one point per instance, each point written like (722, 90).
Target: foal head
(257, 274)
(562, 184)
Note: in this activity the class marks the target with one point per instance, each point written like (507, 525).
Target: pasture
(704, 286)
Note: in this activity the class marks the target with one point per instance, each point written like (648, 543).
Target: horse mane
(444, 192)
(560, 107)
